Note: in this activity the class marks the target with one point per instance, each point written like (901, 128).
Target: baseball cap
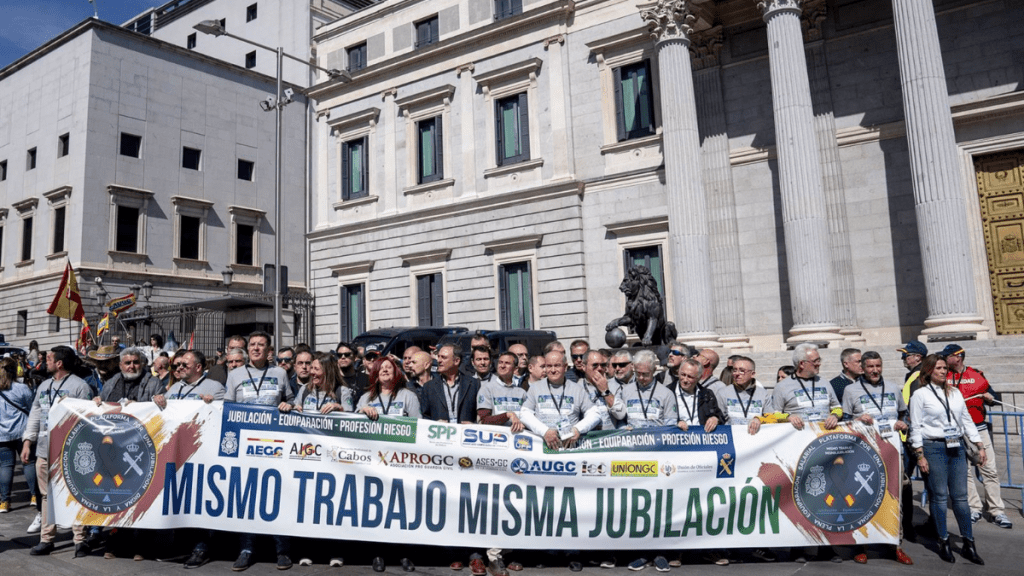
(913, 347)
(952, 350)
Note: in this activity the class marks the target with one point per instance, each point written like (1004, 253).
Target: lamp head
(211, 27)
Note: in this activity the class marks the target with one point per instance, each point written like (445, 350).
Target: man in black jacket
(450, 396)
(697, 405)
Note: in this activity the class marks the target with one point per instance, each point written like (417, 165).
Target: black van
(396, 340)
(500, 340)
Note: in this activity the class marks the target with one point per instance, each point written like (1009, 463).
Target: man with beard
(134, 383)
(419, 372)
(577, 352)
(407, 361)
(303, 364)
(104, 361)
(622, 368)
(354, 379)
(450, 396)
(676, 355)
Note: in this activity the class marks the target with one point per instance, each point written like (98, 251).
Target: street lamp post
(276, 103)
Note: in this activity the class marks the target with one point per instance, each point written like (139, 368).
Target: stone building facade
(137, 161)
(824, 170)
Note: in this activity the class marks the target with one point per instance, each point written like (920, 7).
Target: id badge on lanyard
(884, 427)
(952, 434)
(564, 428)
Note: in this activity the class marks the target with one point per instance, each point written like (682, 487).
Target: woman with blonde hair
(939, 425)
(325, 392)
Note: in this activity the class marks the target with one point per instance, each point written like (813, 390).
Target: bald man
(407, 360)
(708, 359)
(418, 371)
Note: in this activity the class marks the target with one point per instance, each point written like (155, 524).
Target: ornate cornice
(668, 19)
(812, 19)
(705, 48)
(770, 8)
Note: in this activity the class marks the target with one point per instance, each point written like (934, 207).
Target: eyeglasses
(177, 365)
(345, 354)
(675, 352)
(577, 356)
(620, 364)
(741, 371)
(285, 359)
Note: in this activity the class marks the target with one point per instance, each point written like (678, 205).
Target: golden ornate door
(1001, 192)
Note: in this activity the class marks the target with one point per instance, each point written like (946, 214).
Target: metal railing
(1012, 425)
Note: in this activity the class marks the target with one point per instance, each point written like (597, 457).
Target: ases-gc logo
(108, 462)
(840, 482)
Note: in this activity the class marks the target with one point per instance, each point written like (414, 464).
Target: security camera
(288, 93)
(268, 103)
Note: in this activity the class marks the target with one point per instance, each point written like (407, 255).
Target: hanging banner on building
(236, 467)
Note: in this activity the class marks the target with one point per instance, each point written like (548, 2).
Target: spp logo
(300, 451)
(523, 466)
(484, 439)
(441, 433)
(264, 448)
(524, 443)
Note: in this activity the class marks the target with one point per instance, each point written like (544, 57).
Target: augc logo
(522, 466)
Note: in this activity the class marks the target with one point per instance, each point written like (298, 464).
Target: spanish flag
(103, 326)
(68, 302)
(84, 337)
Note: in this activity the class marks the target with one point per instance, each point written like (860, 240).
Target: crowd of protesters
(937, 408)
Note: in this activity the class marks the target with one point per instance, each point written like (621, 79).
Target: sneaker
(975, 516)
(336, 563)
(305, 561)
(608, 563)
(638, 564)
(284, 562)
(33, 502)
(198, 558)
(82, 550)
(1002, 521)
(5, 507)
(36, 524)
(764, 555)
(660, 564)
(243, 562)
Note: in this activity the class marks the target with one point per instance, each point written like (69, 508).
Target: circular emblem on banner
(108, 462)
(840, 482)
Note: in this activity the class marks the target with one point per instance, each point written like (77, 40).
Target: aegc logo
(484, 439)
(264, 448)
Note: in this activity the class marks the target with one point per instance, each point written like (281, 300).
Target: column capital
(771, 8)
(705, 47)
(812, 19)
(668, 19)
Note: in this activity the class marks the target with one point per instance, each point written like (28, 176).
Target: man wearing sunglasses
(354, 379)
(598, 387)
(578, 352)
(621, 367)
(676, 355)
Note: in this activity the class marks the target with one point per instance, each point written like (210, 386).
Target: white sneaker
(1002, 521)
(36, 524)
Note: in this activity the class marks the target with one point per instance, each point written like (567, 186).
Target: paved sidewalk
(1003, 551)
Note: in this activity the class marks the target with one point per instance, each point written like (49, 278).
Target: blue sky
(27, 24)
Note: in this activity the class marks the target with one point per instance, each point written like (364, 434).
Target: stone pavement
(1002, 550)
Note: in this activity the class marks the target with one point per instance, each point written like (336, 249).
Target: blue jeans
(10, 453)
(947, 479)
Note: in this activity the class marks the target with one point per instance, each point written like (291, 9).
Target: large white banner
(237, 467)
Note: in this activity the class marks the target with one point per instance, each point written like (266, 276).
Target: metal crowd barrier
(1012, 425)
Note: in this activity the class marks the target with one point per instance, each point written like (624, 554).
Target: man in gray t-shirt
(872, 400)
(258, 382)
(556, 409)
(804, 395)
(648, 403)
(192, 383)
(744, 402)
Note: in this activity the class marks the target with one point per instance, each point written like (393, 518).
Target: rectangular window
(353, 312)
(26, 239)
(250, 13)
(250, 59)
(54, 324)
(513, 130)
(246, 170)
(59, 215)
(430, 159)
(131, 145)
(353, 169)
(515, 296)
(506, 8)
(634, 104)
(430, 299)
(649, 257)
(3, 170)
(426, 32)
(22, 322)
(188, 239)
(30, 161)
(63, 145)
(127, 229)
(191, 158)
(244, 234)
(190, 41)
(357, 57)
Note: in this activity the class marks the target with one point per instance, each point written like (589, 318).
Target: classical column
(804, 216)
(839, 249)
(716, 169)
(941, 219)
(689, 249)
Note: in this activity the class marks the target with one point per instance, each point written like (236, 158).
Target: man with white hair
(804, 396)
(647, 402)
(621, 367)
(598, 386)
(557, 410)
(135, 383)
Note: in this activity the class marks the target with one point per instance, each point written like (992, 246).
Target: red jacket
(971, 382)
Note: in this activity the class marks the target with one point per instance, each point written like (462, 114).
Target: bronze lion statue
(645, 309)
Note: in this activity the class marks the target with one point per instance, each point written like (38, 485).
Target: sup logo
(108, 462)
(840, 482)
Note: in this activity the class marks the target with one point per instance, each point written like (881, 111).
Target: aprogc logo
(264, 448)
(416, 460)
(484, 439)
(522, 466)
